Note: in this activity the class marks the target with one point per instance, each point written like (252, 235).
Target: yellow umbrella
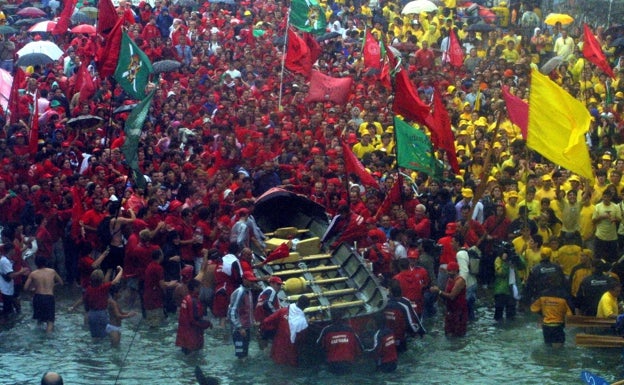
(554, 18)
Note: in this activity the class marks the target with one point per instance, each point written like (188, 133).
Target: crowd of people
(230, 124)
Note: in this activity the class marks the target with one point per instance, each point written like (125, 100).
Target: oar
(588, 322)
(298, 285)
(340, 305)
(328, 293)
(297, 258)
(310, 270)
(599, 341)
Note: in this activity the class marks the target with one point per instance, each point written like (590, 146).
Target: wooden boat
(333, 279)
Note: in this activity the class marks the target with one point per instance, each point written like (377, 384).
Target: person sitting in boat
(608, 305)
(346, 227)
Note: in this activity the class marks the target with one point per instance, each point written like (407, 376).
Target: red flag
(33, 139)
(441, 135)
(282, 251)
(593, 52)
(108, 56)
(388, 66)
(324, 88)
(393, 196)
(14, 99)
(455, 53)
(518, 111)
(406, 102)
(65, 18)
(353, 165)
(313, 45)
(298, 57)
(107, 17)
(84, 83)
(371, 52)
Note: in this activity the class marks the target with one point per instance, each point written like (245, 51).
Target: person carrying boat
(268, 303)
(454, 294)
(340, 343)
(401, 317)
(240, 314)
(288, 324)
(554, 304)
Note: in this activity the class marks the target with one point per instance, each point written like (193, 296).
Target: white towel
(296, 321)
(228, 260)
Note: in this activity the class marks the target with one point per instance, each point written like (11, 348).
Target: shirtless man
(206, 276)
(115, 315)
(42, 282)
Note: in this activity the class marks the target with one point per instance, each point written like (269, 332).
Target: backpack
(103, 232)
(474, 260)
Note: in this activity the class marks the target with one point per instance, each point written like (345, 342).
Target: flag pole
(281, 90)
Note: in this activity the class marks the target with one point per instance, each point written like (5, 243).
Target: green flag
(414, 150)
(133, 68)
(308, 16)
(133, 129)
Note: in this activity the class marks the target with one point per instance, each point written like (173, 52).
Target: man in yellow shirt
(608, 305)
(606, 217)
(364, 146)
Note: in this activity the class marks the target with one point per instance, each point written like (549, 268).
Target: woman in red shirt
(96, 301)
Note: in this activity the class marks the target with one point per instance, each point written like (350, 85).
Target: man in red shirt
(341, 344)
(424, 57)
(90, 221)
(154, 290)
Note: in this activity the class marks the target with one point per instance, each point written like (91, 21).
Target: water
(512, 353)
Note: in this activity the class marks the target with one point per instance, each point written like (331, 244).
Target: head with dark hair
(303, 302)
(395, 289)
(113, 207)
(459, 238)
(51, 378)
(157, 255)
(193, 284)
(41, 261)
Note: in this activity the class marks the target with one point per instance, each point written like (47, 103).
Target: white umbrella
(419, 6)
(43, 26)
(42, 46)
(6, 80)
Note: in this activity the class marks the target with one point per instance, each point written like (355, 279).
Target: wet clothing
(240, 314)
(413, 282)
(402, 320)
(456, 318)
(554, 304)
(545, 275)
(191, 326)
(590, 291)
(342, 346)
(43, 307)
(153, 296)
(268, 303)
(385, 350)
(283, 350)
(98, 319)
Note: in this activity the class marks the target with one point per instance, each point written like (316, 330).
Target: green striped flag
(133, 129)
(414, 150)
(133, 68)
(308, 16)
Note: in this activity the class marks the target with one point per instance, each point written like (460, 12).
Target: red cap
(451, 228)
(174, 205)
(452, 266)
(275, 279)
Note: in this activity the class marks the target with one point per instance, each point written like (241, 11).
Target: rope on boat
(136, 330)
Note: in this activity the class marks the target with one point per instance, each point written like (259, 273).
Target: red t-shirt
(153, 297)
(96, 298)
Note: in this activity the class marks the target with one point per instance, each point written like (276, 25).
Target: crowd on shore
(231, 124)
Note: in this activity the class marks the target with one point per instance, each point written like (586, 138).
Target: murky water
(512, 353)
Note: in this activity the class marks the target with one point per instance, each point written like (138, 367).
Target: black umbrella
(33, 59)
(28, 22)
(81, 18)
(5, 29)
(84, 121)
(166, 66)
(328, 36)
(619, 42)
(481, 27)
(615, 31)
(124, 108)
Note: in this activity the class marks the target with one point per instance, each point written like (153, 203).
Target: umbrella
(166, 66)
(328, 36)
(6, 80)
(31, 12)
(619, 42)
(554, 18)
(551, 64)
(45, 117)
(43, 26)
(92, 12)
(24, 22)
(5, 30)
(124, 108)
(33, 59)
(419, 6)
(42, 46)
(83, 28)
(481, 27)
(84, 121)
(81, 18)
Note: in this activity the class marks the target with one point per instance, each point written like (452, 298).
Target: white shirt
(464, 272)
(6, 267)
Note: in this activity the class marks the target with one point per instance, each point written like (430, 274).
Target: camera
(506, 247)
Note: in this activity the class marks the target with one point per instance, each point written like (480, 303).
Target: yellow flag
(557, 126)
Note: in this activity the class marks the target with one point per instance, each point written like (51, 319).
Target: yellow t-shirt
(608, 306)
(585, 221)
(568, 256)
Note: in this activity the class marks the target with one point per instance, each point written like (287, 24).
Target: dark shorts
(114, 258)
(553, 334)
(98, 319)
(43, 307)
(220, 304)
(241, 344)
